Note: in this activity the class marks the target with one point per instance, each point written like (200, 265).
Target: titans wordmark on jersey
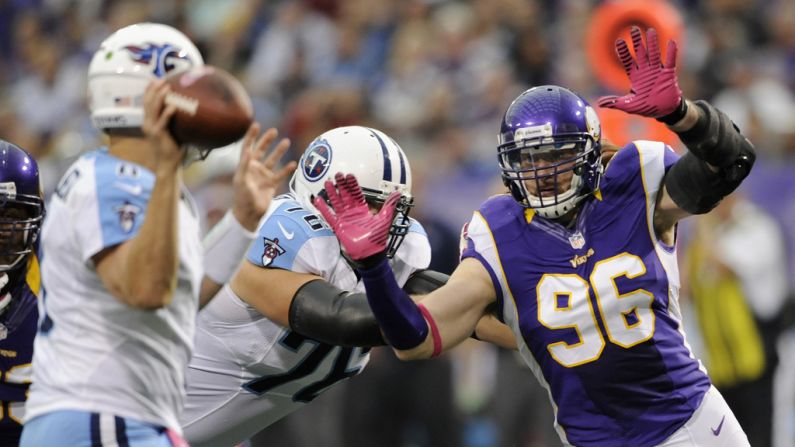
(595, 307)
(248, 372)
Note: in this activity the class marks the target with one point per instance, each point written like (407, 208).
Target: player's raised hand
(361, 234)
(257, 179)
(655, 90)
(155, 126)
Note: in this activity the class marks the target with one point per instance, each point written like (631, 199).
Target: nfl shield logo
(577, 241)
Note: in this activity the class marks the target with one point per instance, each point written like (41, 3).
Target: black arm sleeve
(715, 140)
(326, 313)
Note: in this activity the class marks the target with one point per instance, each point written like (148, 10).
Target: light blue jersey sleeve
(284, 237)
(123, 192)
(106, 198)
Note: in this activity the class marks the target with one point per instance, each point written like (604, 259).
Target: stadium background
(436, 75)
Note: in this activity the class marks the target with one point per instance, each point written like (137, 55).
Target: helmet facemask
(551, 175)
(400, 224)
(549, 150)
(20, 222)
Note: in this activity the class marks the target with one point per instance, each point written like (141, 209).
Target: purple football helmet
(21, 206)
(550, 150)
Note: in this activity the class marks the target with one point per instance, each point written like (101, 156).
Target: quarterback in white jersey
(124, 270)
(102, 202)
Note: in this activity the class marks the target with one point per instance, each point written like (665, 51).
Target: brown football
(213, 108)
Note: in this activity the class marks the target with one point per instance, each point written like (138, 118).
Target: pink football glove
(655, 91)
(360, 233)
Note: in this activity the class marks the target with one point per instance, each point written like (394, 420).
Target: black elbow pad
(326, 313)
(696, 188)
(713, 140)
(718, 141)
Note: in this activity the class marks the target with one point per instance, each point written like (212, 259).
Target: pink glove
(360, 233)
(655, 91)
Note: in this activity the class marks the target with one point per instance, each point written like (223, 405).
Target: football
(213, 108)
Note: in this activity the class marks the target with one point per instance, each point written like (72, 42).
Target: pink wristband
(437, 339)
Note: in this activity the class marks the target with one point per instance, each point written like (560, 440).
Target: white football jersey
(94, 353)
(248, 372)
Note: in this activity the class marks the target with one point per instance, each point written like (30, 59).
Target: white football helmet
(379, 164)
(125, 64)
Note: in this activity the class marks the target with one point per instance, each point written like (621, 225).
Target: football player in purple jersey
(580, 259)
(21, 213)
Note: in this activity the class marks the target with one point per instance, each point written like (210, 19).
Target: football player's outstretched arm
(411, 329)
(142, 272)
(255, 182)
(489, 328)
(315, 308)
(719, 157)
(456, 310)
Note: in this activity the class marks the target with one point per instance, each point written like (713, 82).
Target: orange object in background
(622, 128)
(612, 20)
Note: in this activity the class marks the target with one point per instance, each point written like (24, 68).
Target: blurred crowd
(437, 76)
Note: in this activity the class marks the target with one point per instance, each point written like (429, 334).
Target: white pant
(712, 425)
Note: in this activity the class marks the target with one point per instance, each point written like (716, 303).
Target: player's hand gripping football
(361, 234)
(155, 127)
(655, 90)
(256, 179)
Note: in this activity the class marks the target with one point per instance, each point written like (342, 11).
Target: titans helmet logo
(161, 58)
(316, 160)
